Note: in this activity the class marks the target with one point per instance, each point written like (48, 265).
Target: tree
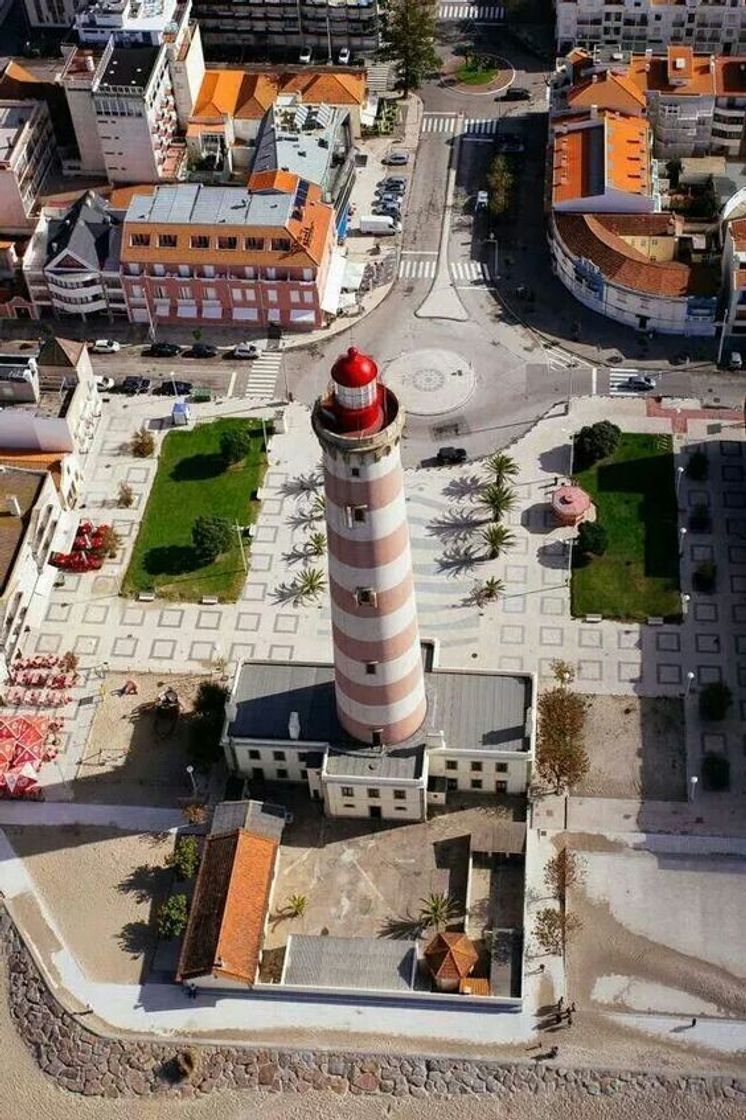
(562, 871)
(311, 583)
(69, 662)
(592, 538)
(715, 699)
(492, 588)
(142, 444)
(109, 541)
(500, 180)
(185, 857)
(125, 495)
(498, 539)
(716, 772)
(235, 444)
(206, 725)
(562, 671)
(596, 441)
(409, 37)
(437, 910)
(553, 928)
(561, 757)
(172, 917)
(317, 544)
(211, 536)
(210, 699)
(499, 499)
(502, 467)
(186, 1063)
(296, 905)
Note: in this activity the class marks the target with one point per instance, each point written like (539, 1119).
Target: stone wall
(87, 1063)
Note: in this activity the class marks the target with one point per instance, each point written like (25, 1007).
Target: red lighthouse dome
(357, 394)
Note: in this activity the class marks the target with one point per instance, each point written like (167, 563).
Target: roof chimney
(14, 506)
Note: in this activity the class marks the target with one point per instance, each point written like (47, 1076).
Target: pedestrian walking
(558, 1018)
(572, 1007)
(560, 1003)
(694, 1021)
(542, 967)
(554, 1052)
(569, 1018)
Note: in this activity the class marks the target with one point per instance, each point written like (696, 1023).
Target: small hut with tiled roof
(450, 957)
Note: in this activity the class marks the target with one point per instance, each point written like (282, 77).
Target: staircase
(379, 77)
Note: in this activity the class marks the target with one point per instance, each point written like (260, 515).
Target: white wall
(85, 123)
(356, 802)
(458, 765)
(293, 763)
(187, 75)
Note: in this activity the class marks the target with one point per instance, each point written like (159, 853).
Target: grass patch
(476, 73)
(192, 481)
(635, 498)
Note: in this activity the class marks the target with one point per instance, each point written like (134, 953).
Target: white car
(104, 384)
(246, 350)
(305, 55)
(344, 56)
(105, 346)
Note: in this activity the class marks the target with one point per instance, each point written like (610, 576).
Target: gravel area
(123, 871)
(636, 747)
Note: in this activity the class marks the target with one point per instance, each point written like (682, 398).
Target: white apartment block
(27, 154)
(635, 25)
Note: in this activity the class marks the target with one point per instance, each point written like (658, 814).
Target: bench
(146, 597)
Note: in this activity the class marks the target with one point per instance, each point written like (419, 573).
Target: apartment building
(611, 245)
(324, 26)
(714, 26)
(51, 13)
(198, 254)
(28, 154)
(14, 298)
(72, 263)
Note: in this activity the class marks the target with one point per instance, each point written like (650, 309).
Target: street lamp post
(190, 772)
(679, 474)
(682, 539)
(693, 786)
(689, 682)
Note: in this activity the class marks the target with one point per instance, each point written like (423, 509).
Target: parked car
(344, 56)
(306, 55)
(384, 197)
(387, 211)
(135, 386)
(163, 350)
(104, 384)
(105, 346)
(640, 383)
(169, 388)
(202, 350)
(395, 183)
(735, 361)
(450, 456)
(508, 146)
(246, 350)
(515, 93)
(396, 159)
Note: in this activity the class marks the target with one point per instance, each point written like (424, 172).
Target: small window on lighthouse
(365, 596)
(371, 667)
(360, 514)
(355, 472)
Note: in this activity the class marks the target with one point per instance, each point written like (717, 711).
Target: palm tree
(502, 467)
(317, 544)
(437, 910)
(499, 499)
(311, 583)
(498, 539)
(318, 507)
(296, 905)
(492, 588)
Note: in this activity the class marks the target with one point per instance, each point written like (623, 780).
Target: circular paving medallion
(430, 382)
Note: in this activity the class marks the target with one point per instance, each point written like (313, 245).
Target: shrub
(110, 543)
(700, 520)
(592, 538)
(172, 916)
(235, 444)
(596, 441)
(125, 495)
(142, 444)
(716, 772)
(697, 468)
(561, 757)
(562, 871)
(185, 857)
(185, 1063)
(69, 662)
(704, 577)
(211, 536)
(714, 700)
(195, 814)
(210, 699)
(553, 928)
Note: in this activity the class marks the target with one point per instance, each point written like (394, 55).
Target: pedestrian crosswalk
(479, 13)
(449, 122)
(263, 373)
(418, 268)
(619, 382)
(470, 272)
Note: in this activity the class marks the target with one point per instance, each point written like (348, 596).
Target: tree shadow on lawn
(171, 560)
(197, 468)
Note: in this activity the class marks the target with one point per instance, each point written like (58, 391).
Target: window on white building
(295, 297)
(348, 791)
(272, 295)
(237, 294)
(374, 794)
(308, 297)
(211, 293)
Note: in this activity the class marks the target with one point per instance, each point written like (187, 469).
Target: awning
(330, 298)
(353, 275)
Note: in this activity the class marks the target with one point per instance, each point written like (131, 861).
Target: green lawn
(192, 481)
(635, 498)
(474, 73)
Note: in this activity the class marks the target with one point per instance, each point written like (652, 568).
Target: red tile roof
(607, 91)
(595, 238)
(737, 230)
(231, 899)
(450, 956)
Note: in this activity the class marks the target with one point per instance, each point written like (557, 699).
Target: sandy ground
(636, 748)
(26, 1094)
(122, 871)
(131, 759)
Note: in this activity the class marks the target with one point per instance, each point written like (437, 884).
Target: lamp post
(693, 786)
(682, 538)
(679, 474)
(190, 772)
(689, 682)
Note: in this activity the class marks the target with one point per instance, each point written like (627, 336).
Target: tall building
(27, 155)
(378, 672)
(718, 26)
(324, 26)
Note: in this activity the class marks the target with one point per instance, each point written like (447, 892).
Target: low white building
(477, 737)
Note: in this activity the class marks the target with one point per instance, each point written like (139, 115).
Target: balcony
(73, 307)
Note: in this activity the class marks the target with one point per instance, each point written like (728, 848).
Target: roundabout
(498, 76)
(432, 382)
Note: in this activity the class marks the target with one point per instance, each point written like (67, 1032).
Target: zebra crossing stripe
(477, 12)
(470, 271)
(480, 126)
(439, 123)
(410, 269)
(473, 126)
(263, 375)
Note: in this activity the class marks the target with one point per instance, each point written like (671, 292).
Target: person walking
(560, 1004)
(694, 1021)
(553, 1052)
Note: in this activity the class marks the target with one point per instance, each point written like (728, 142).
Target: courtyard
(193, 480)
(368, 879)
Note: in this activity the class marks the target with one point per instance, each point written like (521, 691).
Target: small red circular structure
(354, 369)
(570, 505)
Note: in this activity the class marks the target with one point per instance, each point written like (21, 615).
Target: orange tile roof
(592, 237)
(657, 74)
(679, 63)
(320, 88)
(737, 230)
(628, 153)
(450, 956)
(119, 198)
(18, 73)
(286, 182)
(231, 898)
(234, 93)
(570, 165)
(474, 986)
(608, 90)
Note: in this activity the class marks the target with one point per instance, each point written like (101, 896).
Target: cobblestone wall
(86, 1063)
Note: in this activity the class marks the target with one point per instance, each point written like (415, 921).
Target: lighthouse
(378, 673)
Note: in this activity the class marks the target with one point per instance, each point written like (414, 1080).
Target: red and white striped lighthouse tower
(379, 680)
